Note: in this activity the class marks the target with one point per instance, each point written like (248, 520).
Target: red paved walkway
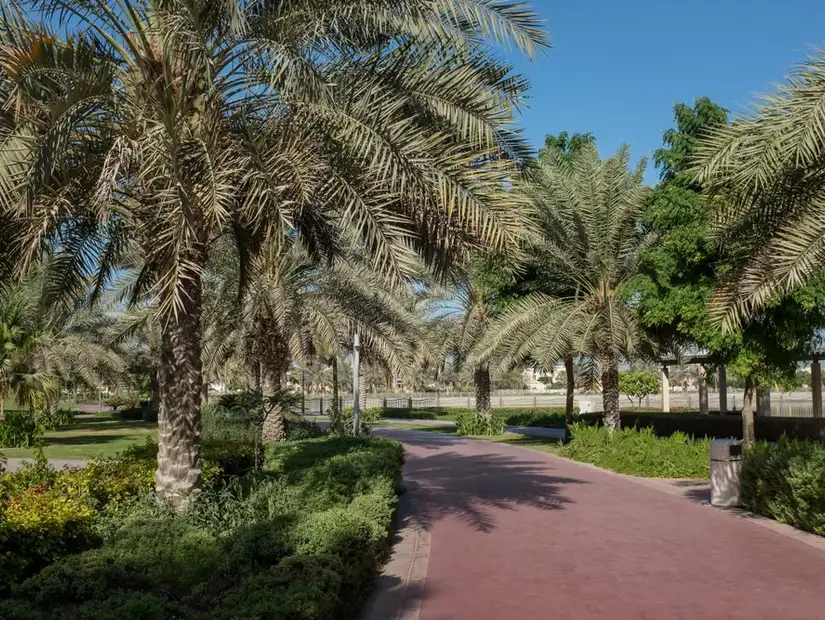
(522, 535)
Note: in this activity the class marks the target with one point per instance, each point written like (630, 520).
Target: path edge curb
(400, 586)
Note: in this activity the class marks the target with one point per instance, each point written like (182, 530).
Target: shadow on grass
(90, 439)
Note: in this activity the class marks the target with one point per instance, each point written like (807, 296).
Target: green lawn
(98, 437)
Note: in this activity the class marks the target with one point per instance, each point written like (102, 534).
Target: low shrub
(474, 425)
(639, 452)
(786, 481)
(19, 429)
(53, 420)
(120, 401)
(300, 541)
(297, 428)
(370, 415)
(143, 412)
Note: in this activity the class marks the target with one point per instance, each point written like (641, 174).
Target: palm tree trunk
(154, 391)
(334, 414)
(748, 424)
(481, 379)
(610, 391)
(274, 428)
(179, 417)
(2, 409)
(568, 405)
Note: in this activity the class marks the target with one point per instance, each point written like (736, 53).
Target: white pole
(356, 388)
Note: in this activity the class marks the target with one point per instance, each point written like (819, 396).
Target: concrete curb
(399, 588)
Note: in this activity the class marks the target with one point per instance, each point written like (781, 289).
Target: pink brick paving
(519, 534)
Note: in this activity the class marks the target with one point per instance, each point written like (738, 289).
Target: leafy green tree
(588, 211)
(144, 132)
(638, 384)
(681, 270)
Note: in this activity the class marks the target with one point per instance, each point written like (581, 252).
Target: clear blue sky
(617, 67)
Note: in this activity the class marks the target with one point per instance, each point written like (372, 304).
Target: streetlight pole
(356, 388)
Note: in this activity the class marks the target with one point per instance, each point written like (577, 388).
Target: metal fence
(796, 404)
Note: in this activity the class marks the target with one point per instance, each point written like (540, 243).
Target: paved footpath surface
(523, 535)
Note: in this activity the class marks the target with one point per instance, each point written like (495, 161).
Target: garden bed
(638, 452)
(301, 540)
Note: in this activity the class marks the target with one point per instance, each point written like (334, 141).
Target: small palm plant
(588, 211)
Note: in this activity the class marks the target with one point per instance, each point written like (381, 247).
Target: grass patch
(101, 436)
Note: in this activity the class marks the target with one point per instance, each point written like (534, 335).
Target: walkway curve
(521, 534)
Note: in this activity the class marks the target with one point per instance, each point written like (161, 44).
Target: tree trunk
(2, 409)
(568, 405)
(179, 418)
(481, 379)
(703, 390)
(335, 415)
(154, 391)
(274, 428)
(610, 391)
(748, 426)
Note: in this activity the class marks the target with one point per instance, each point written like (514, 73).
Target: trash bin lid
(725, 449)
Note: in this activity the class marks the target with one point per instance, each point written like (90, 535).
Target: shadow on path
(467, 485)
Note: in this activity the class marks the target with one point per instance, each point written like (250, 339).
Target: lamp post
(356, 388)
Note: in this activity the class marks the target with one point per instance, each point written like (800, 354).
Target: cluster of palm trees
(150, 139)
(230, 188)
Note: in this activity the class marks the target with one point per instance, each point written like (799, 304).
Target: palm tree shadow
(467, 487)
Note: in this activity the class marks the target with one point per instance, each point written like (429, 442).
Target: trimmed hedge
(552, 417)
(718, 426)
(299, 541)
(786, 481)
(639, 452)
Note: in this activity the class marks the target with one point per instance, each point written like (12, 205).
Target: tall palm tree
(158, 127)
(295, 309)
(766, 171)
(588, 210)
(461, 313)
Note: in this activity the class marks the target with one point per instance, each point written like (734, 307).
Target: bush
(53, 420)
(474, 425)
(39, 525)
(296, 428)
(639, 452)
(118, 401)
(786, 481)
(19, 429)
(143, 412)
(298, 542)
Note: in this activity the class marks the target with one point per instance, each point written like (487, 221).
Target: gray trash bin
(725, 472)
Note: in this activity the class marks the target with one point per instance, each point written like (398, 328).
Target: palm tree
(588, 210)
(157, 128)
(462, 313)
(766, 171)
(295, 309)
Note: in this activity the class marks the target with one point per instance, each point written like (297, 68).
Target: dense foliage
(301, 541)
(639, 452)
(785, 481)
